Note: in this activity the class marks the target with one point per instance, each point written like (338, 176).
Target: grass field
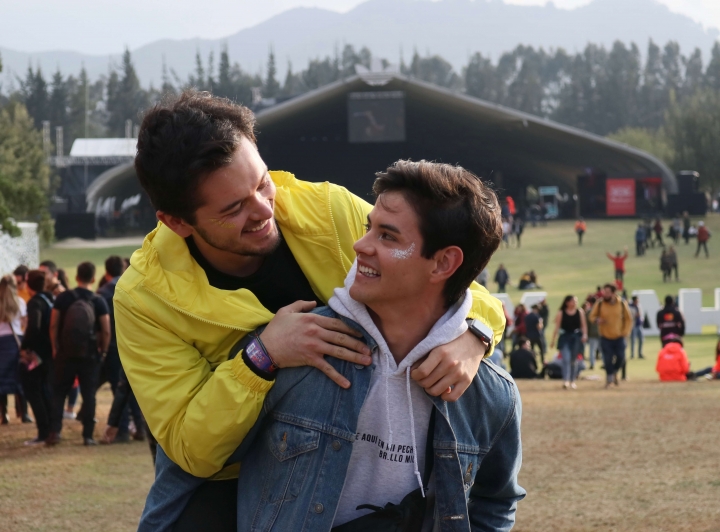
(639, 457)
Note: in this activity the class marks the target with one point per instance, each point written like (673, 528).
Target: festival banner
(620, 194)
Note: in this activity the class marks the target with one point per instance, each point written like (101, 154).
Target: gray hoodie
(389, 450)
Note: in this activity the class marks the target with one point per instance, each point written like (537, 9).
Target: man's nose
(261, 208)
(364, 245)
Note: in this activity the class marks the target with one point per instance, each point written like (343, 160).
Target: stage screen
(376, 116)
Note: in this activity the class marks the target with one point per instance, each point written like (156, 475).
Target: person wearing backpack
(80, 334)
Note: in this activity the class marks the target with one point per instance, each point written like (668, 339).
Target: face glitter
(223, 224)
(403, 253)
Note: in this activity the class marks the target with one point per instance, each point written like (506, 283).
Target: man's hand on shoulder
(294, 338)
(450, 369)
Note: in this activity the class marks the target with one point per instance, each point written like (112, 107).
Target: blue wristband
(259, 357)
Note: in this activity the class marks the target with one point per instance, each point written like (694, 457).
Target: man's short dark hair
(612, 287)
(21, 271)
(454, 208)
(86, 272)
(50, 265)
(669, 301)
(114, 266)
(184, 139)
(36, 280)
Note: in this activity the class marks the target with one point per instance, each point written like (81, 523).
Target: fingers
(297, 306)
(427, 373)
(342, 346)
(334, 324)
(322, 364)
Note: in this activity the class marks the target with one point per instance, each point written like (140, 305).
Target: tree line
(664, 102)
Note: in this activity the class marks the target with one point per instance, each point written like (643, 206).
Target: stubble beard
(242, 251)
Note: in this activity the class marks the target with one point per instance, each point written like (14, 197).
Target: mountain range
(394, 29)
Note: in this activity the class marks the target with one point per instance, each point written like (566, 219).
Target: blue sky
(107, 26)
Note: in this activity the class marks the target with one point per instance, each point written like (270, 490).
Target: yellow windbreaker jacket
(175, 331)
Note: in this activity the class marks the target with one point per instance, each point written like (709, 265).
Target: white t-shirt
(16, 326)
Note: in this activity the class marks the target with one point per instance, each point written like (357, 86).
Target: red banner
(620, 194)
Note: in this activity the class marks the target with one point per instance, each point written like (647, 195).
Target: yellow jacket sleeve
(199, 417)
(487, 309)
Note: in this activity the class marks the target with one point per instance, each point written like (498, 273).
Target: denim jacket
(295, 458)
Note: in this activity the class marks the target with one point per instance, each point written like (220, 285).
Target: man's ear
(176, 224)
(447, 261)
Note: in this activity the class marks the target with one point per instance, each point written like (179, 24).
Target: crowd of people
(601, 328)
(57, 343)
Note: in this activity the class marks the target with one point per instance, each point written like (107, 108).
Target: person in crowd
(508, 322)
(658, 230)
(703, 235)
(518, 228)
(598, 293)
(519, 315)
(637, 331)
(79, 334)
(237, 243)
(712, 372)
(13, 319)
(21, 273)
(580, 228)
(593, 342)
(507, 230)
(675, 229)
(56, 283)
(614, 320)
(545, 315)
(686, 224)
(345, 481)
(673, 262)
(37, 369)
(502, 278)
(571, 333)
(647, 227)
(640, 240)
(665, 267)
(528, 281)
(114, 267)
(670, 321)
(482, 278)
(533, 330)
(672, 362)
(523, 364)
(619, 262)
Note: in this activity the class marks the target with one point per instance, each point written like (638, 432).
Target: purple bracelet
(260, 358)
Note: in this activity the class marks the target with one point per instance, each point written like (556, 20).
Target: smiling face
(238, 202)
(391, 267)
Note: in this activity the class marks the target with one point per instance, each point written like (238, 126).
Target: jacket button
(319, 508)
(336, 445)
(359, 366)
(282, 447)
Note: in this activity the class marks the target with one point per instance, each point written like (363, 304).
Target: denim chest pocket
(290, 447)
(470, 458)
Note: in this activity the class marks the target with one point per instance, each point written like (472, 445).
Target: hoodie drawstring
(412, 432)
(387, 399)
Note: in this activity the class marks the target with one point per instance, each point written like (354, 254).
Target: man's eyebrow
(387, 227)
(231, 206)
(234, 204)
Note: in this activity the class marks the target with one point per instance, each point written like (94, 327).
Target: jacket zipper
(182, 311)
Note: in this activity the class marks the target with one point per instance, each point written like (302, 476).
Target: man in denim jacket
(322, 458)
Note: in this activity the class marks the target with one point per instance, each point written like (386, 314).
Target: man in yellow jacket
(615, 322)
(238, 246)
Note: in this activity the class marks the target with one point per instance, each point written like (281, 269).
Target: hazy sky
(107, 26)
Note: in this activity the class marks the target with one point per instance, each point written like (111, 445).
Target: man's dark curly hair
(183, 139)
(455, 208)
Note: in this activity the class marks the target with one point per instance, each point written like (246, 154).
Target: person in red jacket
(703, 235)
(619, 261)
(672, 363)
